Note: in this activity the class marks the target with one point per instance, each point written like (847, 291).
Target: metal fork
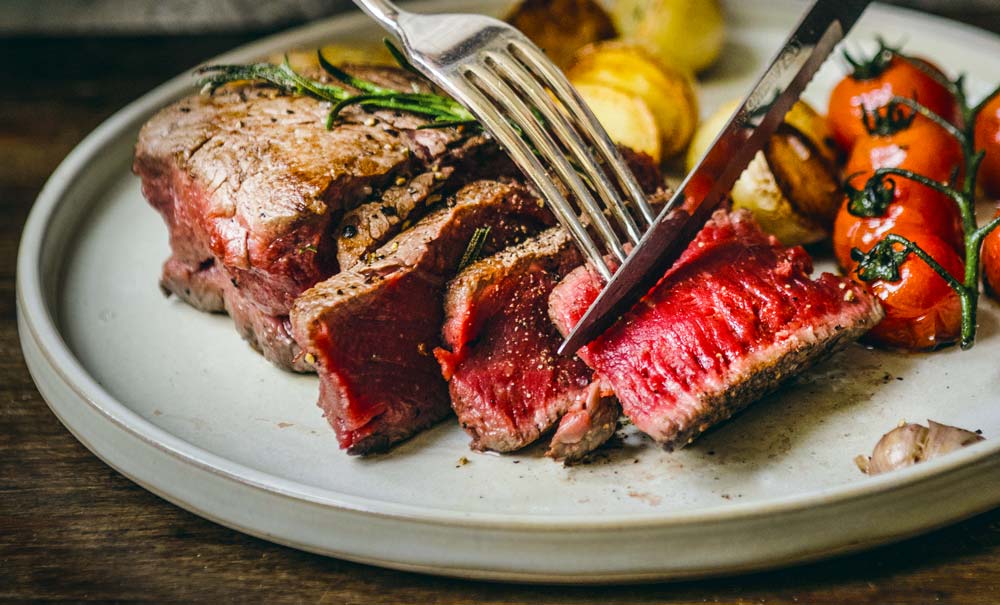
(527, 104)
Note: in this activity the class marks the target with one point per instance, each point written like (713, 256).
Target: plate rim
(34, 313)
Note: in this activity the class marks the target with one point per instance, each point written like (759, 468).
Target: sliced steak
(249, 181)
(371, 224)
(734, 317)
(209, 288)
(507, 384)
(587, 425)
(372, 328)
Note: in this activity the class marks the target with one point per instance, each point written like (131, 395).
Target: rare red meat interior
(508, 384)
(735, 316)
(373, 329)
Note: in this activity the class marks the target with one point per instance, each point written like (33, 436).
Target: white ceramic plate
(173, 399)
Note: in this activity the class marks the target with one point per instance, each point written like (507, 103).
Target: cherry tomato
(874, 83)
(914, 208)
(921, 310)
(923, 147)
(991, 262)
(987, 133)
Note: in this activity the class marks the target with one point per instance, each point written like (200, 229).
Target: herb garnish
(443, 110)
(883, 261)
(475, 247)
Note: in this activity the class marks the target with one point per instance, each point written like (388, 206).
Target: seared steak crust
(735, 316)
(249, 181)
(372, 328)
(507, 384)
(371, 224)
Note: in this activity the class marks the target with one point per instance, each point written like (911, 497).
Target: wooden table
(73, 529)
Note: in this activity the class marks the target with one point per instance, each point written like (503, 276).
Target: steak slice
(371, 224)
(587, 425)
(249, 181)
(508, 385)
(372, 328)
(734, 317)
(209, 288)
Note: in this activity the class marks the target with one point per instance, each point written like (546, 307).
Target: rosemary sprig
(883, 261)
(443, 111)
(475, 247)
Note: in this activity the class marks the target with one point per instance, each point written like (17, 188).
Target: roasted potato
(561, 27)
(626, 117)
(707, 131)
(667, 92)
(791, 186)
(686, 34)
(804, 175)
(815, 127)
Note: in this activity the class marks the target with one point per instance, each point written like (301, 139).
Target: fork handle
(385, 12)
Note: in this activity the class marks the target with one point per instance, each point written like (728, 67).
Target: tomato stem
(966, 208)
(977, 238)
(867, 69)
(877, 262)
(964, 196)
(973, 113)
(915, 249)
(930, 115)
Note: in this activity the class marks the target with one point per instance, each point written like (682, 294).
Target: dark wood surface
(73, 529)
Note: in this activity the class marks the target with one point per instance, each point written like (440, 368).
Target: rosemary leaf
(475, 247)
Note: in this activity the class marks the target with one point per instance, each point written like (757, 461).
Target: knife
(760, 114)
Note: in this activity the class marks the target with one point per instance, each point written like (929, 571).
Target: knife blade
(753, 123)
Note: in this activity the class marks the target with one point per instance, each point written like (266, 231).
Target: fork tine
(521, 115)
(585, 120)
(521, 153)
(510, 68)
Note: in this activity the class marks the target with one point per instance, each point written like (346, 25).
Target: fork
(531, 109)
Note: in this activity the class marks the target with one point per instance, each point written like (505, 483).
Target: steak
(508, 385)
(735, 316)
(209, 288)
(371, 224)
(587, 425)
(372, 328)
(252, 187)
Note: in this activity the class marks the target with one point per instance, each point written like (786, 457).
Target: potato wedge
(802, 117)
(561, 27)
(627, 118)
(791, 186)
(687, 34)
(668, 92)
(707, 131)
(804, 175)
(812, 125)
(759, 192)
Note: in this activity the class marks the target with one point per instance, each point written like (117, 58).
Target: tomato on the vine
(921, 310)
(913, 208)
(987, 137)
(874, 82)
(922, 147)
